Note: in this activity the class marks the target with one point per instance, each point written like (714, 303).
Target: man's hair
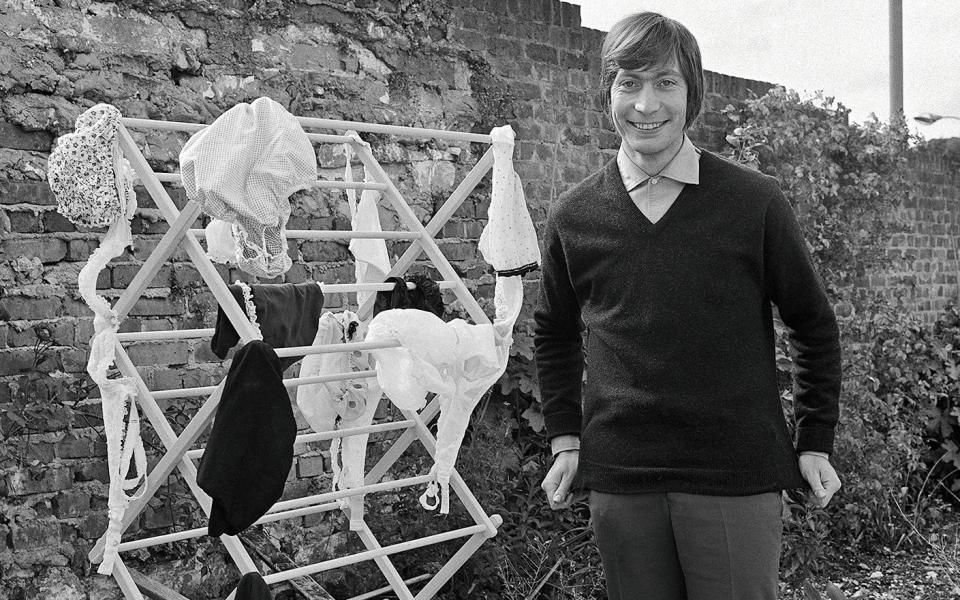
(647, 39)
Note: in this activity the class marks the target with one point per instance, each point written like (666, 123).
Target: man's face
(649, 109)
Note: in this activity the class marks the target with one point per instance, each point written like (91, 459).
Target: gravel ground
(927, 573)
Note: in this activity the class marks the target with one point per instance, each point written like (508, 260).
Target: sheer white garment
(122, 446)
(508, 241)
(456, 360)
(371, 261)
(93, 183)
(341, 404)
(221, 245)
(242, 169)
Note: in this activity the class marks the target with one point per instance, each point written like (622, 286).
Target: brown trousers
(674, 546)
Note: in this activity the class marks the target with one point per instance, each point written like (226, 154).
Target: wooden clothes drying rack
(180, 454)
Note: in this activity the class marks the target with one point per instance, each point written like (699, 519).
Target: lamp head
(927, 118)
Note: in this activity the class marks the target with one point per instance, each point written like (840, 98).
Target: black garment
(425, 296)
(253, 587)
(287, 314)
(250, 450)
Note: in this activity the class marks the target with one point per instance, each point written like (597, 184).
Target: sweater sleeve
(558, 343)
(798, 292)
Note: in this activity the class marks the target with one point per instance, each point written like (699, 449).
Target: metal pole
(896, 61)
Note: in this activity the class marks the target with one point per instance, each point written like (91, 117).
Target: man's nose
(646, 100)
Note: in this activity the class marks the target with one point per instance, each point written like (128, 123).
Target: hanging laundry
(457, 361)
(242, 169)
(252, 587)
(93, 184)
(286, 314)
(509, 241)
(371, 262)
(250, 449)
(425, 295)
(341, 404)
(221, 243)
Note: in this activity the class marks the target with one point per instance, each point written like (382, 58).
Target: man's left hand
(821, 477)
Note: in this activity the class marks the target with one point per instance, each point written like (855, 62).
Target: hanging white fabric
(371, 261)
(242, 169)
(508, 241)
(94, 186)
(457, 360)
(340, 404)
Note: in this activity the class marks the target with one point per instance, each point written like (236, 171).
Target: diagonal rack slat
(180, 449)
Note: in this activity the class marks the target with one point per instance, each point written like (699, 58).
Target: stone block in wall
(158, 307)
(35, 534)
(25, 221)
(457, 251)
(542, 53)
(16, 360)
(76, 446)
(323, 251)
(311, 466)
(94, 470)
(24, 481)
(15, 137)
(71, 504)
(79, 250)
(47, 249)
(54, 222)
(123, 274)
(93, 525)
(174, 352)
(26, 192)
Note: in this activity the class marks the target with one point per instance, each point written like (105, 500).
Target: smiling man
(660, 272)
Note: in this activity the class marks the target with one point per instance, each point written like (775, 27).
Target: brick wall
(468, 66)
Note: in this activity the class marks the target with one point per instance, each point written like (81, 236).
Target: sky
(839, 47)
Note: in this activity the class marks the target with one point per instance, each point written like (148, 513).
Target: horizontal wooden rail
(397, 130)
(290, 383)
(334, 433)
(371, 554)
(336, 234)
(322, 184)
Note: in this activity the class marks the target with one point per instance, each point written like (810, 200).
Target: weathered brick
(14, 136)
(459, 250)
(159, 353)
(81, 249)
(54, 222)
(93, 525)
(74, 446)
(26, 192)
(95, 470)
(22, 482)
(47, 249)
(32, 309)
(320, 251)
(157, 516)
(310, 466)
(15, 360)
(32, 535)
(158, 307)
(70, 504)
(25, 221)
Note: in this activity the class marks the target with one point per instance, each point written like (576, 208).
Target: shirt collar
(684, 168)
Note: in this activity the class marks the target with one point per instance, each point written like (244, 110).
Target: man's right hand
(559, 479)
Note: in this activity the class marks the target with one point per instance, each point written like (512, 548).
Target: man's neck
(652, 164)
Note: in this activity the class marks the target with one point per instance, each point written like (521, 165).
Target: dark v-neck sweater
(681, 391)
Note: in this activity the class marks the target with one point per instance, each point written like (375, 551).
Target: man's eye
(628, 83)
(667, 83)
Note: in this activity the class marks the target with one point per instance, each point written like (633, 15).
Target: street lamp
(931, 118)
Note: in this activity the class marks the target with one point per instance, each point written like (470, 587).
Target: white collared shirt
(655, 195)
